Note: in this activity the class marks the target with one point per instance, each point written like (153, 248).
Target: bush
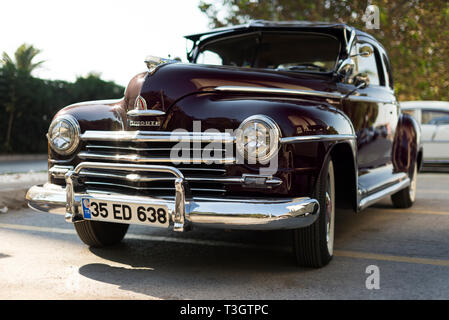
(34, 103)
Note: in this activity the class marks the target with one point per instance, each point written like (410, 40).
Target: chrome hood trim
(323, 94)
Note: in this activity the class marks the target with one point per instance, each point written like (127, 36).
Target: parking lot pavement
(42, 258)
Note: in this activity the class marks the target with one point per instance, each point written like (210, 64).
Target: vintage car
(433, 116)
(270, 126)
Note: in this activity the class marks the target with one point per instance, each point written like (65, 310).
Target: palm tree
(20, 68)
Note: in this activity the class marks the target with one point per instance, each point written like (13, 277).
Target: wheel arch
(343, 155)
(407, 147)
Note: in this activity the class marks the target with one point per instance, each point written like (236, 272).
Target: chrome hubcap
(413, 184)
(330, 210)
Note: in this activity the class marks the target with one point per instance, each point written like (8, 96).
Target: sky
(109, 37)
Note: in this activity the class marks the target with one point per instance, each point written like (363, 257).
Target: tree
(415, 33)
(17, 72)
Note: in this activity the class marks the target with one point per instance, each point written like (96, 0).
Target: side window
(368, 66)
(209, 57)
(434, 117)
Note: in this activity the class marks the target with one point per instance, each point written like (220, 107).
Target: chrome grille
(205, 175)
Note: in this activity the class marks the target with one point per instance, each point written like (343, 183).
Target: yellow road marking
(337, 253)
(443, 213)
(433, 191)
(385, 257)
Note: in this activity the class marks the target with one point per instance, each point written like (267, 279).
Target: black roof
(263, 24)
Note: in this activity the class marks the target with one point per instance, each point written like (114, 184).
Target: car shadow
(158, 268)
(184, 270)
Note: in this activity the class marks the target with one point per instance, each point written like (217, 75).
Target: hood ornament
(154, 62)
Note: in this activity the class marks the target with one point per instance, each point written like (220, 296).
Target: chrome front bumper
(185, 211)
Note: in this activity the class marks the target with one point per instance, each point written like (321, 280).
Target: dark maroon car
(270, 126)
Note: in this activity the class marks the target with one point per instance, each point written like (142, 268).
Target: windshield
(282, 51)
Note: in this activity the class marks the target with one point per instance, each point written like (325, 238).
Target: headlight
(257, 138)
(63, 134)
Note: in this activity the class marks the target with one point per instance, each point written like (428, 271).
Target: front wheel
(406, 197)
(100, 234)
(314, 245)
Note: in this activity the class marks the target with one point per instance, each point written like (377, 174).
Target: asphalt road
(42, 258)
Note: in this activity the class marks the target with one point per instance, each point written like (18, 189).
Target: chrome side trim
(371, 199)
(138, 113)
(139, 159)
(323, 94)
(157, 136)
(324, 137)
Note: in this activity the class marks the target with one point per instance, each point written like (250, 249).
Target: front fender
(94, 115)
(299, 163)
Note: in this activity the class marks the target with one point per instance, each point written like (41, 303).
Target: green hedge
(35, 102)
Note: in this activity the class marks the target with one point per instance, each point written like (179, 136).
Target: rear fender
(407, 147)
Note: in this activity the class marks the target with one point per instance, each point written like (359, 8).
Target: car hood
(171, 82)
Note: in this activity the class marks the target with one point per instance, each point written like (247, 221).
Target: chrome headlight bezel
(69, 123)
(274, 137)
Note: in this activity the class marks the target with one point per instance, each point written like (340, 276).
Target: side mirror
(153, 62)
(364, 51)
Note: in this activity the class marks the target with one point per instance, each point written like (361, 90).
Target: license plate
(129, 213)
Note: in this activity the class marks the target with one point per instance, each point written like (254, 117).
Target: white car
(434, 119)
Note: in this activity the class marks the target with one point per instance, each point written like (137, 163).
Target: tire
(99, 234)
(406, 197)
(313, 246)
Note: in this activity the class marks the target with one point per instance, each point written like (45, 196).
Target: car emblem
(140, 103)
(152, 123)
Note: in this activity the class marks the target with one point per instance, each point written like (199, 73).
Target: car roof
(263, 24)
(425, 104)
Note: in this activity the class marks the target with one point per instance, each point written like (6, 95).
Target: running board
(373, 198)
